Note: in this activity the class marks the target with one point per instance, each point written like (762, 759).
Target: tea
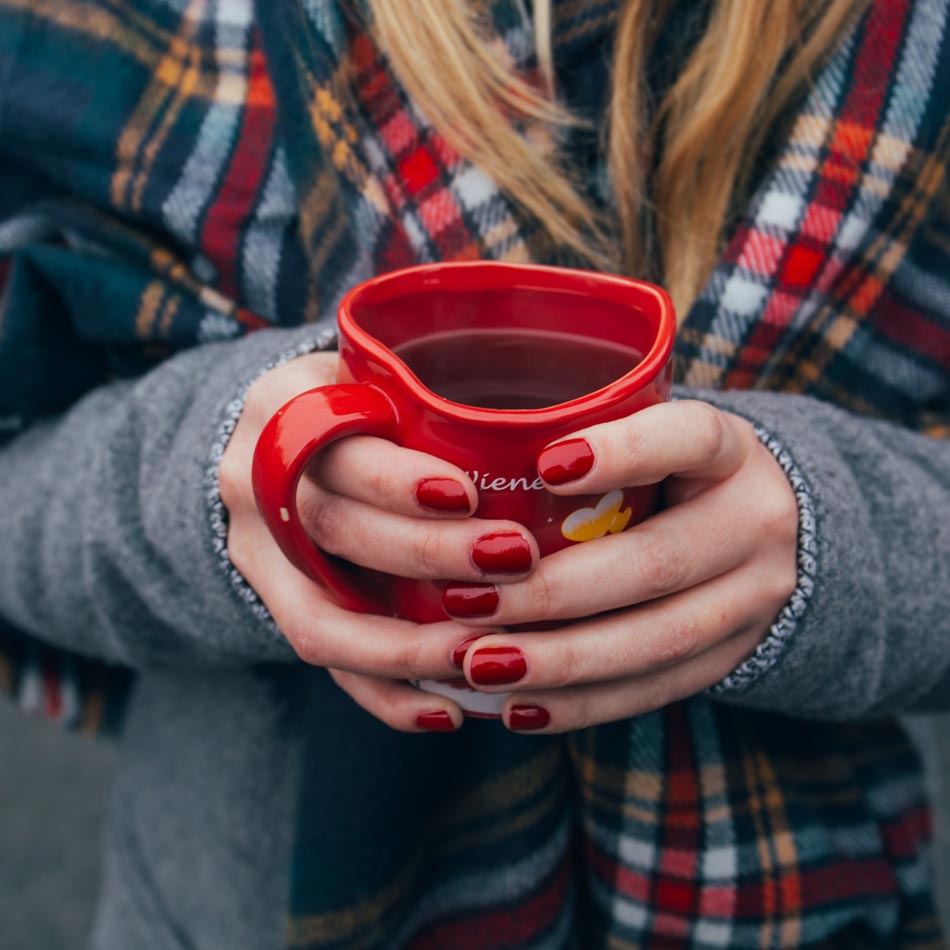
(515, 369)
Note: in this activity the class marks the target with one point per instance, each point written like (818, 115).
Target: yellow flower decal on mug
(585, 524)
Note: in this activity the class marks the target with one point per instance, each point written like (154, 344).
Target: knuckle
(429, 554)
(412, 658)
(656, 694)
(564, 666)
(321, 520)
(306, 637)
(782, 582)
(572, 710)
(660, 567)
(674, 644)
(709, 430)
(238, 546)
(232, 480)
(539, 596)
(633, 445)
(582, 711)
(780, 513)
(377, 481)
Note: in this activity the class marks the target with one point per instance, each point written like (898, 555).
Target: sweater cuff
(217, 513)
(779, 636)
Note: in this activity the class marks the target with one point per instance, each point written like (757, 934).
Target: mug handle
(295, 433)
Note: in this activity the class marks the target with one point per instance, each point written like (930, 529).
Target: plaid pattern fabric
(212, 169)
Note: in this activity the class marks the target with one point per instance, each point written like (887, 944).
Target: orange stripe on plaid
(183, 91)
(90, 20)
(124, 28)
(148, 309)
(157, 94)
(873, 273)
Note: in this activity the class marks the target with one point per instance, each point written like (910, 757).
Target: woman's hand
(682, 598)
(380, 506)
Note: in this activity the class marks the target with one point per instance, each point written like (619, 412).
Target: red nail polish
(439, 721)
(442, 494)
(497, 666)
(566, 461)
(458, 654)
(527, 718)
(502, 553)
(470, 600)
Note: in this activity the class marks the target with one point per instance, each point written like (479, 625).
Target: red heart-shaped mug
(482, 364)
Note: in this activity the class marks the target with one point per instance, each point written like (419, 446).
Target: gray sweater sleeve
(867, 633)
(105, 544)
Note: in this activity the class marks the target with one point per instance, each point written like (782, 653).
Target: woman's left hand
(669, 606)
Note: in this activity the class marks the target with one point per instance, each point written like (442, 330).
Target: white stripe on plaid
(905, 111)
(201, 174)
(741, 291)
(264, 241)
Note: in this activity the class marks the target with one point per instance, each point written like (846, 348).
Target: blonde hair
(754, 58)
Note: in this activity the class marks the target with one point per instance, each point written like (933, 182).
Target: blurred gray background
(52, 796)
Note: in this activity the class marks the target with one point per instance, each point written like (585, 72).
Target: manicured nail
(458, 654)
(470, 600)
(505, 552)
(439, 721)
(497, 666)
(442, 494)
(566, 461)
(527, 718)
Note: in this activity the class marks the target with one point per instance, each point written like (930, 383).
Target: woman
(711, 761)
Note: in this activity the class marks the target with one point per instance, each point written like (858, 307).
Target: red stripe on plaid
(514, 926)
(370, 76)
(223, 225)
(249, 319)
(836, 882)
(676, 889)
(418, 170)
(808, 262)
(821, 223)
(807, 888)
(904, 836)
(634, 885)
(761, 253)
(927, 340)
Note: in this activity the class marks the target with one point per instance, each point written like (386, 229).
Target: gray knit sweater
(110, 544)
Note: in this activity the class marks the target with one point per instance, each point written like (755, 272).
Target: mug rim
(640, 377)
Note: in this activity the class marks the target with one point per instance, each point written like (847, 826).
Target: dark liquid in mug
(515, 369)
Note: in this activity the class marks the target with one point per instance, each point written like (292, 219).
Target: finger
(629, 643)
(272, 389)
(687, 438)
(388, 476)
(674, 550)
(323, 634)
(415, 547)
(399, 705)
(582, 706)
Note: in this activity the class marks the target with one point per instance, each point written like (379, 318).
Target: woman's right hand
(380, 506)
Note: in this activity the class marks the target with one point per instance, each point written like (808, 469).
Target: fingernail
(470, 600)
(566, 461)
(497, 666)
(527, 718)
(442, 494)
(439, 721)
(505, 552)
(458, 654)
